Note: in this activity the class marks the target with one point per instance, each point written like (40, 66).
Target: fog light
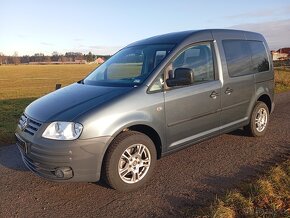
(63, 172)
(59, 173)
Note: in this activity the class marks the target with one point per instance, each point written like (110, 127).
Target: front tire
(129, 161)
(259, 120)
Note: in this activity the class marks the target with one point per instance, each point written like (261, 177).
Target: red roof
(284, 50)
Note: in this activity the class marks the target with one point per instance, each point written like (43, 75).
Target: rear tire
(259, 120)
(129, 161)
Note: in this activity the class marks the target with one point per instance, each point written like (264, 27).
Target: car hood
(71, 101)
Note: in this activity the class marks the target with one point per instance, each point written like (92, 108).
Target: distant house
(80, 61)
(281, 54)
(284, 50)
(100, 60)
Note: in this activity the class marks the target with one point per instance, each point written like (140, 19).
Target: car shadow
(239, 132)
(10, 158)
(219, 186)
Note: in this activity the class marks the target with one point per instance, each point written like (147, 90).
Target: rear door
(193, 112)
(239, 86)
(239, 82)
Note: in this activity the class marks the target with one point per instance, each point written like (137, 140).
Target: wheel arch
(151, 133)
(142, 128)
(267, 100)
(262, 95)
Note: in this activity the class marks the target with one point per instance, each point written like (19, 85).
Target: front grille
(28, 124)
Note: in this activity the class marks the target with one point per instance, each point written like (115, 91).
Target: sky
(103, 27)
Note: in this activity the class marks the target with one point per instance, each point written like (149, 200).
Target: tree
(63, 58)
(80, 57)
(15, 58)
(55, 53)
(39, 57)
(25, 59)
(47, 59)
(1, 58)
(90, 57)
(55, 56)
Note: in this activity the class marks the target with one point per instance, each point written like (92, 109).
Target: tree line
(54, 57)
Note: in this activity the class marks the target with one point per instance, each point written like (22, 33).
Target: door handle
(214, 95)
(228, 91)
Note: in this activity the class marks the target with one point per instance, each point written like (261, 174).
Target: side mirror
(182, 77)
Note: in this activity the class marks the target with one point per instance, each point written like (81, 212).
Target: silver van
(153, 97)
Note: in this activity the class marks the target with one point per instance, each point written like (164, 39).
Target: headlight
(63, 131)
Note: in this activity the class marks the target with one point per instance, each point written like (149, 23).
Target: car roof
(169, 38)
(178, 37)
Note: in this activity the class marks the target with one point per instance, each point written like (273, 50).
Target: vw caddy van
(153, 97)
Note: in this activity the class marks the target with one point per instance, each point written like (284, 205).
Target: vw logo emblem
(24, 124)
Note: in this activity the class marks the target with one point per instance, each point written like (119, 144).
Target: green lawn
(10, 111)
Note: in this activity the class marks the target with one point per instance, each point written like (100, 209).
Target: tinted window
(198, 58)
(238, 57)
(259, 56)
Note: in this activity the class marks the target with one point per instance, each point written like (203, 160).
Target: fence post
(57, 86)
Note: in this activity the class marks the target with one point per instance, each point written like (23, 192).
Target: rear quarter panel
(264, 81)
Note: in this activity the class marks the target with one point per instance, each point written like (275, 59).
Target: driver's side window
(198, 59)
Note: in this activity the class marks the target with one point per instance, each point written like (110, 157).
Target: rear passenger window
(245, 57)
(238, 57)
(259, 56)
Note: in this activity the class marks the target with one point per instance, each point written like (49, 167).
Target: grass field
(25, 81)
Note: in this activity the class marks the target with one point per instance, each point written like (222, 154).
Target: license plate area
(21, 143)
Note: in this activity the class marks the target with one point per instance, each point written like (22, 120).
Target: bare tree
(55, 56)
(15, 59)
(47, 59)
(1, 58)
(63, 58)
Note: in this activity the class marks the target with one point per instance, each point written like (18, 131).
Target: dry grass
(24, 81)
(21, 84)
(282, 80)
(268, 196)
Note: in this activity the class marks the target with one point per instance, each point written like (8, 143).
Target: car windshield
(130, 66)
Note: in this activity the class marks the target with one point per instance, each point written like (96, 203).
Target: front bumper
(80, 160)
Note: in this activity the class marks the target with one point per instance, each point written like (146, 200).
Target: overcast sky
(103, 27)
